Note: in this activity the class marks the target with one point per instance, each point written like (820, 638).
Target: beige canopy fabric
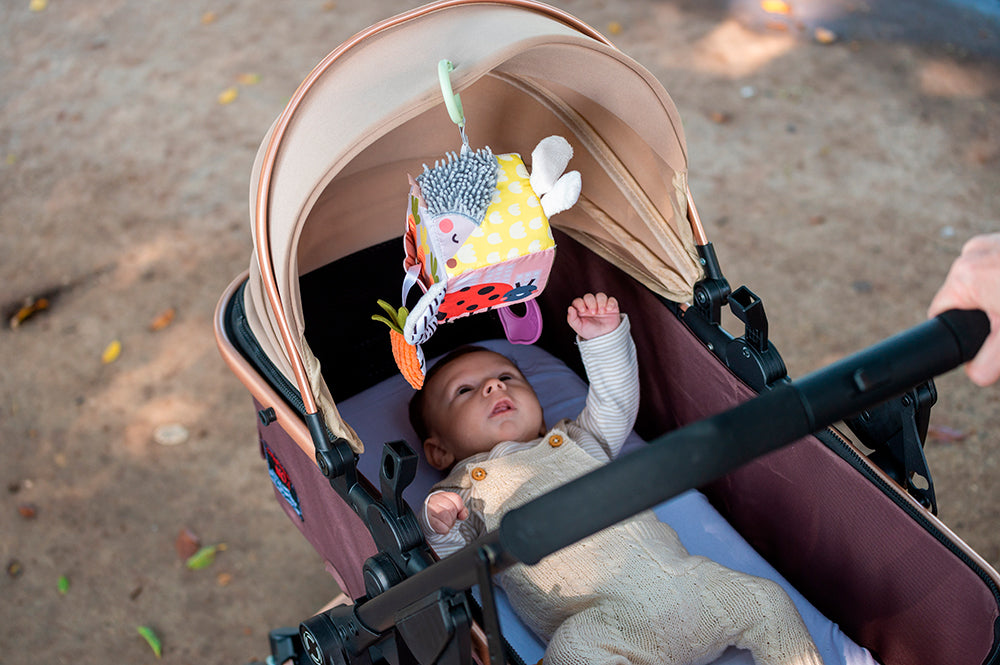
(330, 177)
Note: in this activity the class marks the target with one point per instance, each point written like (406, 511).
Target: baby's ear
(439, 457)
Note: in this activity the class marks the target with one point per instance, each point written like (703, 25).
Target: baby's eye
(506, 377)
(462, 390)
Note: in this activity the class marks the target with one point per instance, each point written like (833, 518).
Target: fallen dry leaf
(163, 319)
(28, 511)
(776, 7)
(946, 434)
(615, 28)
(208, 17)
(824, 35)
(228, 96)
(31, 307)
(223, 579)
(111, 352)
(720, 117)
(14, 568)
(187, 543)
(248, 78)
(21, 308)
(38, 5)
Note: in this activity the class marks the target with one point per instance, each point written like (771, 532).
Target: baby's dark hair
(417, 419)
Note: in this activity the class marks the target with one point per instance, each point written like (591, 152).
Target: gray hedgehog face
(457, 192)
(448, 232)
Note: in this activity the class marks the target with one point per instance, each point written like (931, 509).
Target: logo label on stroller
(282, 481)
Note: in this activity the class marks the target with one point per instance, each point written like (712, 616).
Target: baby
(628, 594)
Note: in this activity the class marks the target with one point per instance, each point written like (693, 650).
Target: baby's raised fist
(593, 314)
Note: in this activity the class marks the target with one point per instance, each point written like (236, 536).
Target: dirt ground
(837, 180)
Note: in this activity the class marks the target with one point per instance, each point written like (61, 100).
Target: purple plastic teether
(522, 329)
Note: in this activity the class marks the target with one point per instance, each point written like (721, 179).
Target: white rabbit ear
(548, 161)
(563, 195)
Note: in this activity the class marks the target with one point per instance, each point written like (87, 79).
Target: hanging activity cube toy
(478, 238)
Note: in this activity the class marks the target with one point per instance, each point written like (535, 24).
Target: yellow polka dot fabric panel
(514, 226)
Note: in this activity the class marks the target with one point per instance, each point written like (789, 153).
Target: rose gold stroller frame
(637, 233)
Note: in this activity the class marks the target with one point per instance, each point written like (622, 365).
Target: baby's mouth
(502, 406)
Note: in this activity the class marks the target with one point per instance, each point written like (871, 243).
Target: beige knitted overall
(631, 593)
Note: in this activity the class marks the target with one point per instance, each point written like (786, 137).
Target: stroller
(854, 533)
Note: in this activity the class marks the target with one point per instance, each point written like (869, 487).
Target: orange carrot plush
(408, 357)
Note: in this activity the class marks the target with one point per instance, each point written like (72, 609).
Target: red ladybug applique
(471, 299)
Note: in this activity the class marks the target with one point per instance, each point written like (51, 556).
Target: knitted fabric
(631, 593)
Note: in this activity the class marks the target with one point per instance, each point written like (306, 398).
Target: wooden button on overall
(478, 473)
(555, 440)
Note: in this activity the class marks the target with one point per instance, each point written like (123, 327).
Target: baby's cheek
(541, 418)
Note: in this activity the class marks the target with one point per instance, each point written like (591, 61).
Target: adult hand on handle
(974, 283)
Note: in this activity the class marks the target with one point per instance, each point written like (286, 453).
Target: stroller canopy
(330, 177)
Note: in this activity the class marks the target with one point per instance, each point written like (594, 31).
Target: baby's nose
(493, 384)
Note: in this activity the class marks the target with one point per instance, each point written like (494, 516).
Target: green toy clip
(451, 98)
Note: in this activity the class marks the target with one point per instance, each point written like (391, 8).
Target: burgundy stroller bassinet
(855, 534)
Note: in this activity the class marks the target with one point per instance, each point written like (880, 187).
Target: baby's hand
(443, 509)
(593, 315)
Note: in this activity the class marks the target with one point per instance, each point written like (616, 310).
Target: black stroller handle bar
(698, 453)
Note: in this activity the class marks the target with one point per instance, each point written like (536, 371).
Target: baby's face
(477, 401)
